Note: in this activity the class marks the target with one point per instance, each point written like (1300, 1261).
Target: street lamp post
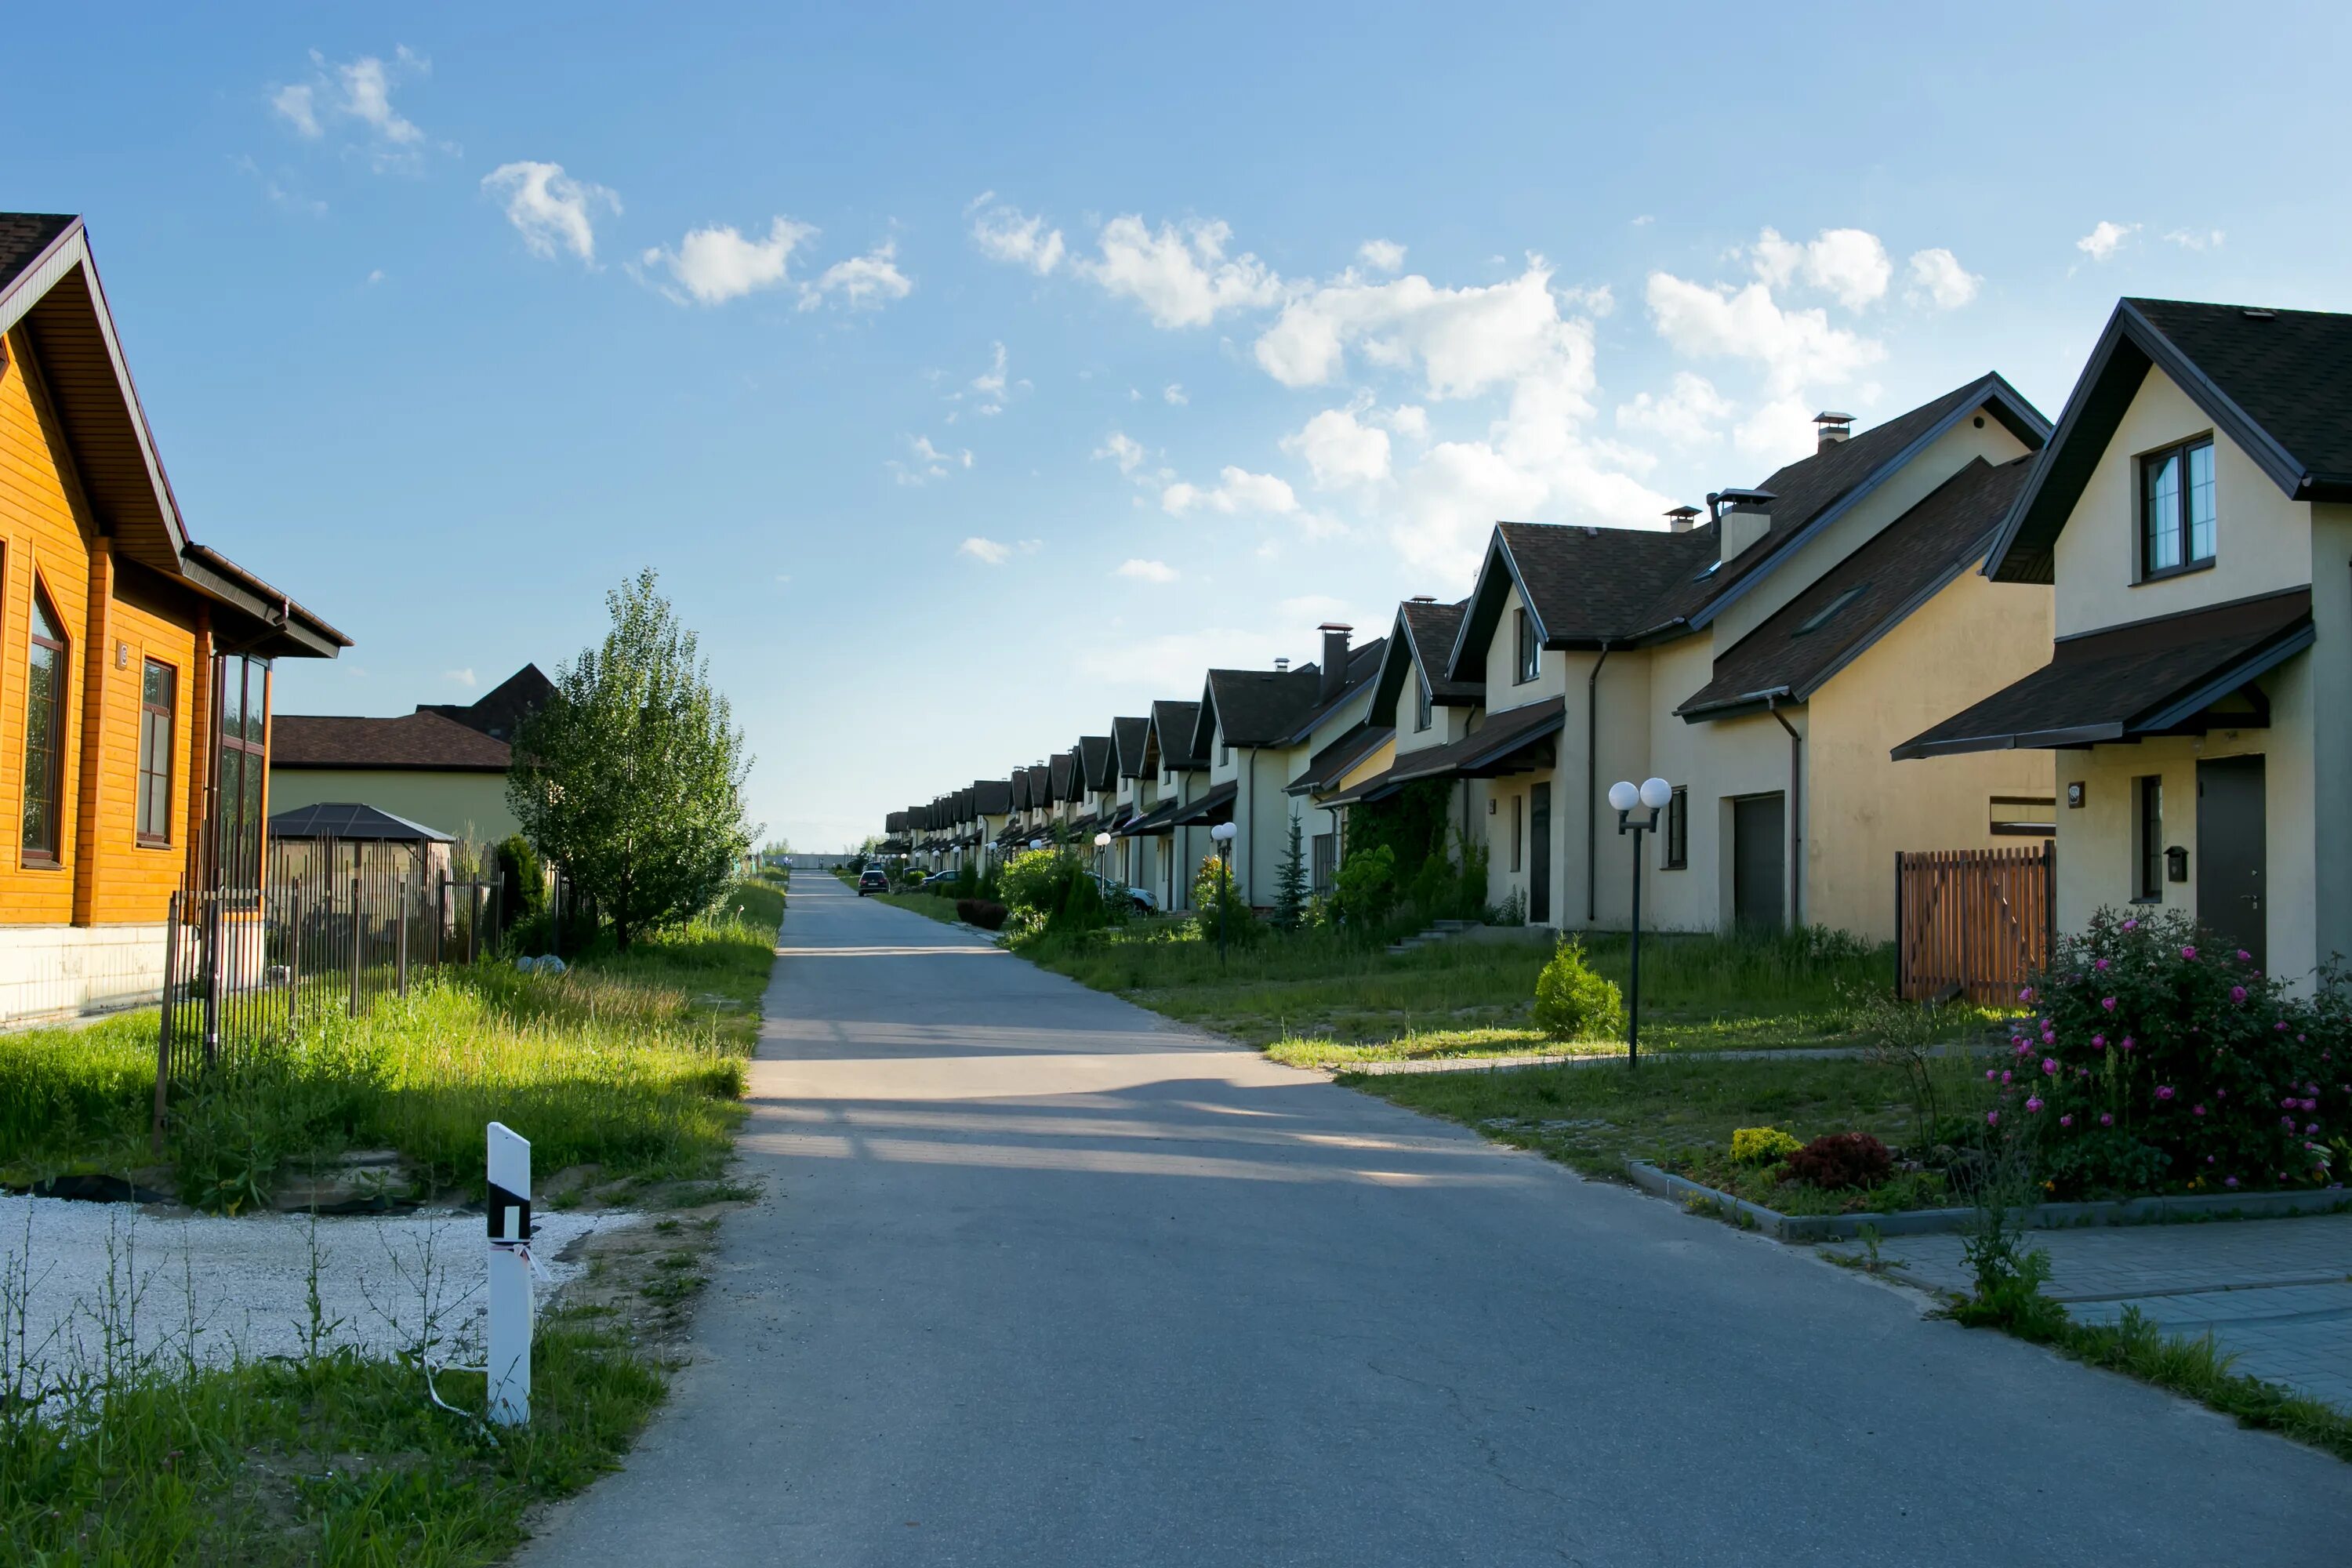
(1102, 848)
(1624, 797)
(1223, 834)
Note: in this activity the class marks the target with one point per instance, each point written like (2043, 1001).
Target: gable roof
(1041, 785)
(1800, 645)
(992, 797)
(501, 711)
(1128, 737)
(413, 742)
(1364, 661)
(1062, 782)
(1587, 587)
(1254, 707)
(1097, 767)
(49, 289)
(1172, 726)
(1421, 644)
(2278, 382)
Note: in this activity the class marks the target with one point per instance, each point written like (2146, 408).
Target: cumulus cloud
(1847, 263)
(548, 209)
(1462, 341)
(2104, 239)
(862, 282)
(1181, 274)
(1236, 490)
(714, 265)
(1938, 278)
(356, 93)
(2196, 238)
(1005, 233)
(1147, 571)
(299, 106)
(927, 462)
(1122, 449)
(1793, 346)
(987, 552)
(460, 676)
(1688, 413)
(1381, 255)
(1173, 393)
(1341, 450)
(1408, 420)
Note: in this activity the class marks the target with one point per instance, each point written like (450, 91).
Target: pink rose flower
(2188, 952)
(2164, 1092)
(2066, 1121)
(2131, 925)
(2107, 1119)
(2004, 1077)
(2108, 1002)
(2034, 1102)
(2102, 965)
(1993, 1118)
(2229, 1181)
(2196, 1110)
(2237, 993)
(2049, 1066)
(2244, 957)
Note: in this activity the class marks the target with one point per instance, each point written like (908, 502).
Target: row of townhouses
(1960, 629)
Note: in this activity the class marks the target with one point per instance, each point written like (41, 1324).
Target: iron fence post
(440, 920)
(294, 962)
(400, 898)
(164, 1021)
(355, 945)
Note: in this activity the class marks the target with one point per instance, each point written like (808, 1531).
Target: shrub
(2158, 1054)
(1573, 1001)
(1756, 1145)
(1038, 880)
(1217, 903)
(1364, 888)
(985, 913)
(1841, 1159)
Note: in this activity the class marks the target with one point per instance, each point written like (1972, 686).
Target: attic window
(1828, 612)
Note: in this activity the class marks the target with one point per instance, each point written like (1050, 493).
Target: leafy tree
(1290, 882)
(1366, 888)
(631, 776)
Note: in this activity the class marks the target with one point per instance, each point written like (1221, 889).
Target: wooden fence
(1977, 923)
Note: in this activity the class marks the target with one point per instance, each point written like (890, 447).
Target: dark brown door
(2229, 850)
(1540, 846)
(1759, 862)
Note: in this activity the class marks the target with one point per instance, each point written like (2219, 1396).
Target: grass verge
(929, 905)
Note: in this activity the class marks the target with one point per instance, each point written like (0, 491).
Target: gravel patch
(243, 1285)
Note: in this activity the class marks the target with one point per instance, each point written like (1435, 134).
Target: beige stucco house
(2193, 511)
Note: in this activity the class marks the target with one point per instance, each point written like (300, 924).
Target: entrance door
(2230, 848)
(1540, 846)
(1759, 861)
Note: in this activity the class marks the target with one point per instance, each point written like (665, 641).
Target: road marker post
(507, 1205)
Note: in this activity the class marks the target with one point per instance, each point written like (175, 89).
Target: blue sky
(971, 380)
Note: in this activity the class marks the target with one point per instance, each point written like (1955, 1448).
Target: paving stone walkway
(2278, 1293)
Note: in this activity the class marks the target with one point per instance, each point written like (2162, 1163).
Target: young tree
(1291, 883)
(631, 776)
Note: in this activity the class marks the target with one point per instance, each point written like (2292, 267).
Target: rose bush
(2157, 1058)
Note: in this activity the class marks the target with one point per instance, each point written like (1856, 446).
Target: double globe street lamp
(1223, 832)
(1624, 795)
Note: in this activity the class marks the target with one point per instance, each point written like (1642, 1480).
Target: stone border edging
(2042, 1216)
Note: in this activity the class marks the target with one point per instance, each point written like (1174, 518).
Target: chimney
(1424, 599)
(1742, 517)
(1334, 660)
(1683, 519)
(1832, 428)
(1281, 667)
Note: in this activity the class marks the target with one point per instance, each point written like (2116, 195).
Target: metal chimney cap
(1682, 511)
(1827, 417)
(1335, 626)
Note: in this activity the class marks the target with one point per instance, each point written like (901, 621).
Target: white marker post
(507, 1204)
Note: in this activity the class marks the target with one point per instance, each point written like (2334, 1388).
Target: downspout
(1593, 788)
(1796, 813)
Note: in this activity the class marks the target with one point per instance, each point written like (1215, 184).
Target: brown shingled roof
(414, 741)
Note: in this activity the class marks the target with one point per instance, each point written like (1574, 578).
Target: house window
(1420, 707)
(158, 702)
(1325, 852)
(1524, 629)
(2176, 509)
(1518, 824)
(244, 765)
(2147, 802)
(1676, 837)
(45, 733)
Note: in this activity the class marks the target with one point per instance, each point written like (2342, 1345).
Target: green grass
(632, 1061)
(338, 1460)
(1315, 999)
(929, 905)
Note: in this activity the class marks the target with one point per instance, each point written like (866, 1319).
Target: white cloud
(1780, 429)
(298, 107)
(1687, 413)
(1938, 278)
(987, 552)
(1147, 571)
(929, 462)
(358, 92)
(868, 281)
(376, 276)
(1124, 451)
(1463, 340)
(1174, 394)
(2196, 238)
(1408, 420)
(2105, 239)
(1005, 234)
(1849, 264)
(548, 209)
(460, 676)
(1236, 490)
(1381, 255)
(989, 386)
(1182, 276)
(1794, 346)
(717, 264)
(1341, 451)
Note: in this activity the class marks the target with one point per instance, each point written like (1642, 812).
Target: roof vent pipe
(1830, 428)
(1334, 673)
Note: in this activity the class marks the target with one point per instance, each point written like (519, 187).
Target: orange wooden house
(134, 662)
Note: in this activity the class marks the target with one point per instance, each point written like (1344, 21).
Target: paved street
(2276, 1293)
(1043, 1280)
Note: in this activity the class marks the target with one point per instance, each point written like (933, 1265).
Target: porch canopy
(2173, 675)
(1155, 823)
(1513, 741)
(1212, 809)
(353, 824)
(1327, 767)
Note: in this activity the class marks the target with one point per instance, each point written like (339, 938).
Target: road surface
(1043, 1279)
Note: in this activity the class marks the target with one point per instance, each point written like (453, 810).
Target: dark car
(873, 879)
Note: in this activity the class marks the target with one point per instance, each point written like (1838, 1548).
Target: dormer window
(1420, 707)
(1524, 630)
(2178, 521)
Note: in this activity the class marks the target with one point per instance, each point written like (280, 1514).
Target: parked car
(939, 879)
(873, 879)
(1139, 900)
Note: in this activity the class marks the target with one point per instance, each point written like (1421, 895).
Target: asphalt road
(1042, 1279)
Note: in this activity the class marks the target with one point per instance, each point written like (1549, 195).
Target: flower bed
(1770, 1184)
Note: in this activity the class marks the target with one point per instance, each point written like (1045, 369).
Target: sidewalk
(2276, 1293)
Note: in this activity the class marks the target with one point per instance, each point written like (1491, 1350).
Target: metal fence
(332, 928)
